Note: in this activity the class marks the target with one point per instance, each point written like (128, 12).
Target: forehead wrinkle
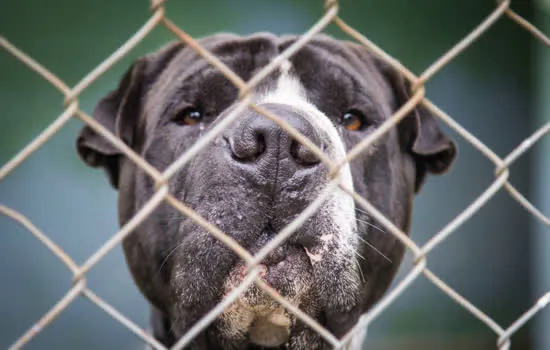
(167, 87)
(365, 92)
(340, 65)
(366, 100)
(370, 86)
(360, 91)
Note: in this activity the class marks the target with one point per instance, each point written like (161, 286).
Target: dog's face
(254, 179)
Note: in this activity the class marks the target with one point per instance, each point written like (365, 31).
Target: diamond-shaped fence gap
(137, 330)
(464, 43)
(467, 213)
(235, 293)
(308, 320)
(95, 60)
(50, 131)
(76, 233)
(52, 29)
(465, 303)
(125, 230)
(468, 306)
(502, 256)
(211, 228)
(296, 223)
(184, 13)
(217, 310)
(114, 334)
(44, 174)
(120, 293)
(435, 190)
(39, 235)
(453, 312)
(383, 128)
(44, 111)
(496, 185)
(36, 287)
(118, 54)
(451, 304)
(30, 62)
(250, 278)
(380, 218)
(399, 289)
(51, 315)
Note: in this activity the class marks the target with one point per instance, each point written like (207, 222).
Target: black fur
(179, 267)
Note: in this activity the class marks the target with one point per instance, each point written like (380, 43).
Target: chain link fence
(159, 16)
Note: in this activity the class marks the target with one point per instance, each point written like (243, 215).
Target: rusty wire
(158, 17)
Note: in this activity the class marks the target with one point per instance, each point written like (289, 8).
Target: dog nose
(255, 138)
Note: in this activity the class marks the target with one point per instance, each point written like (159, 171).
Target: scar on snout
(326, 238)
(313, 257)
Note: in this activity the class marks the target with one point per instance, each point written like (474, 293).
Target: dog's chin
(257, 316)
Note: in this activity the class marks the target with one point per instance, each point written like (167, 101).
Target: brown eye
(189, 116)
(352, 120)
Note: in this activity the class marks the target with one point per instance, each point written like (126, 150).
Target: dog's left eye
(189, 116)
(352, 120)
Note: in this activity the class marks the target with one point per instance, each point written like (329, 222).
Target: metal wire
(421, 253)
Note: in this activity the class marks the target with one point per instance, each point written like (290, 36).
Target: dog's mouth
(256, 315)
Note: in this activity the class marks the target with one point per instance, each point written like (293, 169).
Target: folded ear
(433, 151)
(119, 112)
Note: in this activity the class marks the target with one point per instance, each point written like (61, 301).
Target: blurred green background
(498, 89)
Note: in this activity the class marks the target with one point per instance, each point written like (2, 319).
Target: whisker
(359, 255)
(173, 324)
(371, 225)
(168, 256)
(361, 210)
(360, 269)
(373, 247)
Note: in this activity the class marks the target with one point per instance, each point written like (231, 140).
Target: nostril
(248, 147)
(260, 143)
(303, 155)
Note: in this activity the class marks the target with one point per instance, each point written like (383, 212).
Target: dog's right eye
(188, 116)
(353, 120)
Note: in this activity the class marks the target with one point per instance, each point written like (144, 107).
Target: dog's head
(254, 179)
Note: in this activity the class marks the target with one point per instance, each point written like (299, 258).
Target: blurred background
(498, 89)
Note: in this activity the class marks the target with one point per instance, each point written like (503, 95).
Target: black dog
(255, 179)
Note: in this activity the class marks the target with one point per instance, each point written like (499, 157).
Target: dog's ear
(119, 111)
(433, 151)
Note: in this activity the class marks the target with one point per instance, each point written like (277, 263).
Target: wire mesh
(159, 17)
